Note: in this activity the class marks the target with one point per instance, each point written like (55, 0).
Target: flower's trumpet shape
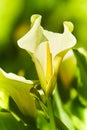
(47, 50)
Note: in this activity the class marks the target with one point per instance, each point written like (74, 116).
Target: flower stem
(57, 98)
(51, 113)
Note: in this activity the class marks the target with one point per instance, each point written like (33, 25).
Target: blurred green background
(15, 22)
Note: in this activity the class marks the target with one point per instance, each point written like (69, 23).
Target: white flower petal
(19, 89)
(15, 77)
(60, 42)
(34, 37)
(41, 55)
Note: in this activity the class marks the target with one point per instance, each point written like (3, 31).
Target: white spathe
(35, 43)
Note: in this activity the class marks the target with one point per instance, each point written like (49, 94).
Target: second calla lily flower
(47, 50)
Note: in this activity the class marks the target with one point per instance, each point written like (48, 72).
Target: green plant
(37, 105)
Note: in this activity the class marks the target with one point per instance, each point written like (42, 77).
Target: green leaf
(42, 123)
(82, 87)
(18, 88)
(60, 124)
(8, 122)
(61, 112)
(19, 115)
(79, 114)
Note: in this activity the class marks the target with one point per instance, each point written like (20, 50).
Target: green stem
(51, 113)
(57, 98)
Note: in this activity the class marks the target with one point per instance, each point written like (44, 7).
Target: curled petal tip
(69, 25)
(34, 17)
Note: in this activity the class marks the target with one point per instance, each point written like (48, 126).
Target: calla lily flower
(18, 88)
(47, 50)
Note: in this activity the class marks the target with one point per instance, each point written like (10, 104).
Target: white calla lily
(47, 50)
(19, 89)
